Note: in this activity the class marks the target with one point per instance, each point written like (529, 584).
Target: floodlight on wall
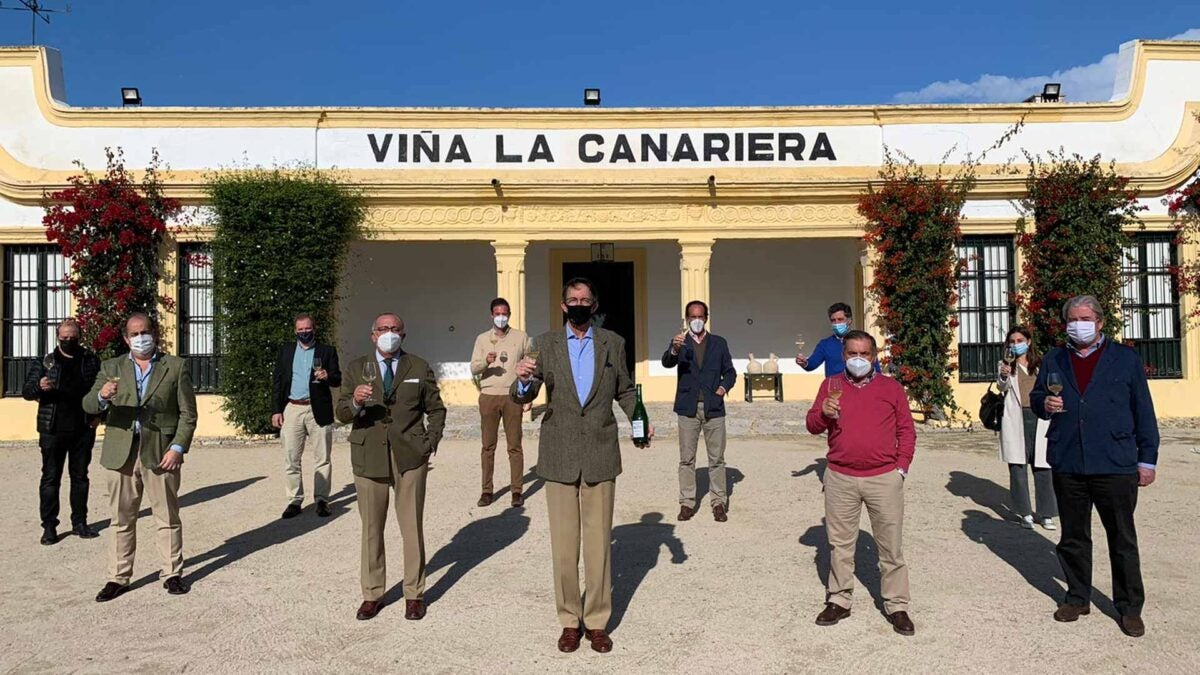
(1051, 91)
(497, 187)
(130, 96)
(604, 252)
(591, 97)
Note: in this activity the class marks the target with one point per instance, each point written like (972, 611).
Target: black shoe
(291, 511)
(82, 531)
(175, 586)
(111, 590)
(49, 536)
(322, 510)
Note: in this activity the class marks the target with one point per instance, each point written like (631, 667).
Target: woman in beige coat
(1022, 434)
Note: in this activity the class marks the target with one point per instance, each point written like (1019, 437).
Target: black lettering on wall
(458, 150)
(541, 150)
(685, 150)
(791, 144)
(739, 147)
(500, 156)
(716, 145)
(822, 148)
(421, 145)
(760, 147)
(380, 151)
(658, 149)
(621, 150)
(584, 155)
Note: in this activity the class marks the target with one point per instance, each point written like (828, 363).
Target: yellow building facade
(752, 210)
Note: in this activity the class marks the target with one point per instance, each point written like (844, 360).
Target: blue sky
(543, 53)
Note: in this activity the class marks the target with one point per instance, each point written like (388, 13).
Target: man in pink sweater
(871, 445)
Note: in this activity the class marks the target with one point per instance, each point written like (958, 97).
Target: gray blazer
(579, 438)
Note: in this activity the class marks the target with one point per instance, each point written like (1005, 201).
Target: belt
(295, 402)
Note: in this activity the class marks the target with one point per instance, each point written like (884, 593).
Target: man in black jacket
(302, 407)
(58, 383)
(706, 375)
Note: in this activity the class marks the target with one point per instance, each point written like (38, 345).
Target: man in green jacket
(149, 406)
(387, 398)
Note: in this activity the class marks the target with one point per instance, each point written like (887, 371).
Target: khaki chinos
(298, 426)
(690, 429)
(373, 496)
(126, 486)
(582, 514)
(883, 496)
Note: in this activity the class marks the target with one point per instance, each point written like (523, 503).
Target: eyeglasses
(576, 302)
(386, 329)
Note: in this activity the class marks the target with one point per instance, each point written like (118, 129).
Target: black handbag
(991, 409)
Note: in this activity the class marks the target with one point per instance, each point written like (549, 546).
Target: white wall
(783, 287)
(442, 291)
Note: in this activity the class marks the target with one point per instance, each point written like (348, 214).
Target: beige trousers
(298, 426)
(582, 514)
(373, 495)
(883, 496)
(714, 443)
(493, 409)
(125, 489)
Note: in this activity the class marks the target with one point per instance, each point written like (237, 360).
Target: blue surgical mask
(840, 329)
(1020, 348)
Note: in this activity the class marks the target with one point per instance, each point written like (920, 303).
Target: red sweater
(1085, 366)
(875, 432)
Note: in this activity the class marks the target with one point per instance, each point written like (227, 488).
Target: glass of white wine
(370, 373)
(1054, 385)
(531, 350)
(316, 365)
(835, 390)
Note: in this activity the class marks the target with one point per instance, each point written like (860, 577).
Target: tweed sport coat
(579, 438)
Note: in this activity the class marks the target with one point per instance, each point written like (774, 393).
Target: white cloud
(1092, 82)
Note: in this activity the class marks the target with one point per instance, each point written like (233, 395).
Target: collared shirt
(382, 364)
(301, 371)
(582, 352)
(865, 381)
(142, 381)
(1088, 351)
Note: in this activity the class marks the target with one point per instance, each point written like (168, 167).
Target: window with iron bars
(36, 299)
(1150, 303)
(985, 308)
(199, 341)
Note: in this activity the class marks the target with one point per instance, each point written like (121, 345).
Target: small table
(774, 379)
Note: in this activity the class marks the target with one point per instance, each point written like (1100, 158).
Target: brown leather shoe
(1132, 626)
(368, 610)
(832, 614)
(518, 499)
(414, 610)
(686, 512)
(569, 640)
(1067, 613)
(719, 513)
(901, 623)
(485, 499)
(600, 641)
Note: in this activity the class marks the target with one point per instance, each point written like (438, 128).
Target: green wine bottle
(641, 422)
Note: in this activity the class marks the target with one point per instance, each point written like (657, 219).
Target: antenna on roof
(36, 11)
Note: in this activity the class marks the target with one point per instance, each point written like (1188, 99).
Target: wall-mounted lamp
(591, 96)
(604, 252)
(130, 96)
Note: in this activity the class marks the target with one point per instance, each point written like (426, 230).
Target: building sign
(602, 148)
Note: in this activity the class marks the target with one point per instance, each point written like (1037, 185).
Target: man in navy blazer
(1102, 445)
(706, 375)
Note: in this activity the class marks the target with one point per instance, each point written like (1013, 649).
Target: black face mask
(306, 337)
(69, 346)
(579, 314)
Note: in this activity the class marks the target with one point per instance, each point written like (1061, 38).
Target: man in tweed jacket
(582, 369)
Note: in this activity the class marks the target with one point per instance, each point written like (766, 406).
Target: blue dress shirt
(582, 353)
(301, 372)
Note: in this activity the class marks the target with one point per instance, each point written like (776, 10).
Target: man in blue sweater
(1103, 447)
(829, 350)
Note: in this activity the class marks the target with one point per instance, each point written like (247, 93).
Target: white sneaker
(1027, 522)
(1048, 523)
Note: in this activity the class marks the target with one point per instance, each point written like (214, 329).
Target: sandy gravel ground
(703, 597)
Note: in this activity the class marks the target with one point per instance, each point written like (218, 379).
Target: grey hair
(398, 319)
(1084, 301)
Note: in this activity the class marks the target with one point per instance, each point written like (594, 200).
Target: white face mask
(1082, 332)
(697, 326)
(142, 345)
(389, 343)
(500, 321)
(858, 366)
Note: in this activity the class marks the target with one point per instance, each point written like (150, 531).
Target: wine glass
(1010, 356)
(531, 350)
(835, 389)
(1054, 384)
(370, 373)
(316, 365)
(800, 343)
